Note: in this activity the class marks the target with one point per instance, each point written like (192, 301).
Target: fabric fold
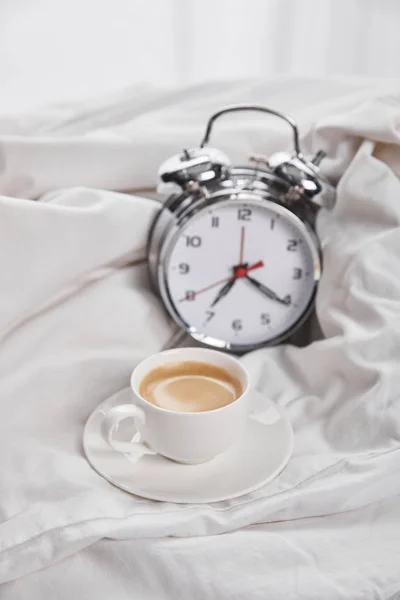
(77, 314)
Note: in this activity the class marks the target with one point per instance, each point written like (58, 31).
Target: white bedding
(76, 315)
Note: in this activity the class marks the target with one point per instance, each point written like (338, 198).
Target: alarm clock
(233, 253)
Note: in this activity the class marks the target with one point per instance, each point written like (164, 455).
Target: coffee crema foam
(190, 386)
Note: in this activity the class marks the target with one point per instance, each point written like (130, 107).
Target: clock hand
(266, 290)
(224, 290)
(209, 287)
(242, 270)
(242, 235)
(238, 273)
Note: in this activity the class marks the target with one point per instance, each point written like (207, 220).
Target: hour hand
(223, 291)
(266, 290)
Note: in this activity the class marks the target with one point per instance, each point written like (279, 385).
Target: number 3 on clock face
(240, 274)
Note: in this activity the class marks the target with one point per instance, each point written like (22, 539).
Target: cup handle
(110, 424)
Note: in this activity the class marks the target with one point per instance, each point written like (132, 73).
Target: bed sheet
(76, 315)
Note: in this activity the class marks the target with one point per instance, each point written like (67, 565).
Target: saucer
(254, 461)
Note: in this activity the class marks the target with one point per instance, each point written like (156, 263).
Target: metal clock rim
(247, 197)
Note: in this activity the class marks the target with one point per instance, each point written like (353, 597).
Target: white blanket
(76, 315)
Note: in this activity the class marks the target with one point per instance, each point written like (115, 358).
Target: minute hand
(266, 290)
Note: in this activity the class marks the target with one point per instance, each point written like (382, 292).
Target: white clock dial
(241, 273)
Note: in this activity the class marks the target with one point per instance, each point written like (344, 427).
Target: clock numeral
(194, 241)
(190, 295)
(183, 268)
(210, 314)
(272, 224)
(214, 221)
(265, 319)
(244, 214)
(237, 325)
(287, 299)
(292, 245)
(297, 273)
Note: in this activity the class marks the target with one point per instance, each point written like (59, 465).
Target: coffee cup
(188, 404)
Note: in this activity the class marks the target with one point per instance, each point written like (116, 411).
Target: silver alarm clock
(233, 253)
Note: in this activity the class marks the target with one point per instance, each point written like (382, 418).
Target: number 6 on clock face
(240, 273)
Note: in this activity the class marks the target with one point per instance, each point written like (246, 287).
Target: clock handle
(254, 107)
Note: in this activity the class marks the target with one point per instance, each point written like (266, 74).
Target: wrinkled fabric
(77, 314)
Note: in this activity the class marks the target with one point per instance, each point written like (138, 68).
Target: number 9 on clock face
(240, 274)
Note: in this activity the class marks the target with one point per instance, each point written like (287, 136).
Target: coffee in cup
(190, 386)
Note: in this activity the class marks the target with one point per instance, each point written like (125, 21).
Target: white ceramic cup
(186, 437)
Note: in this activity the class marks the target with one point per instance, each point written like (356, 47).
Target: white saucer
(256, 460)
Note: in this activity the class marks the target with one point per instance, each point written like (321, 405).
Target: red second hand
(239, 272)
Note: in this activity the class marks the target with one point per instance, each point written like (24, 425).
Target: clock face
(241, 274)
